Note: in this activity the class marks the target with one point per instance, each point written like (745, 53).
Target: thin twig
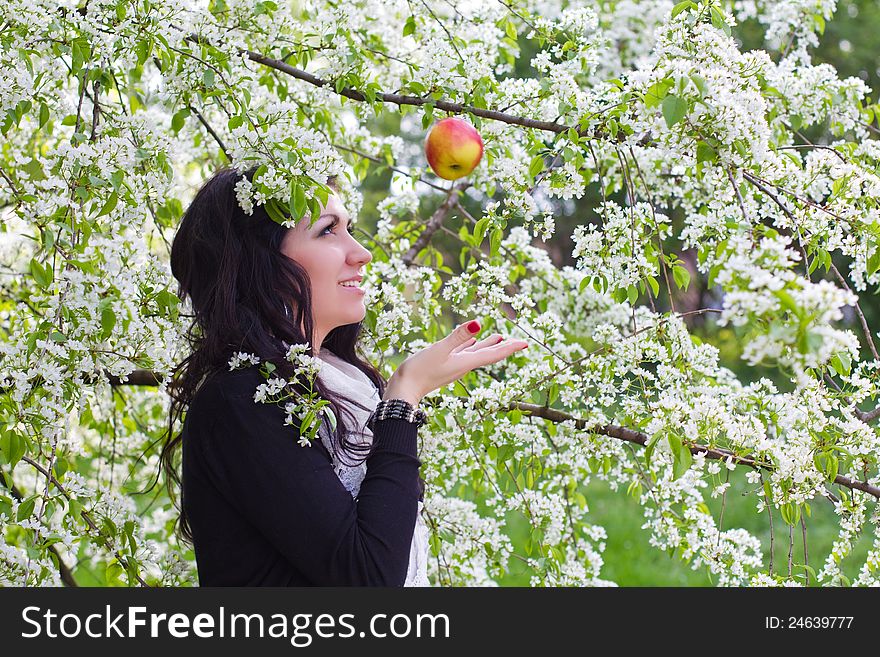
(63, 569)
(861, 315)
(211, 132)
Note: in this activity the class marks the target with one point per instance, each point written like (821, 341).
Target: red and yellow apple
(453, 148)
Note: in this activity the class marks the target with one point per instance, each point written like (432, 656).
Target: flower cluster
(304, 410)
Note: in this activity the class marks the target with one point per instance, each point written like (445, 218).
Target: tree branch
(628, 435)
(85, 514)
(399, 99)
(434, 223)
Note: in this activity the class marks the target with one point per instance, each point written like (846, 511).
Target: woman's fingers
(492, 353)
(473, 345)
(463, 346)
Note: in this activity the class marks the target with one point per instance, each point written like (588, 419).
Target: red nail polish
(473, 326)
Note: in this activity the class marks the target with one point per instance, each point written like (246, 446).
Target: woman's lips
(356, 290)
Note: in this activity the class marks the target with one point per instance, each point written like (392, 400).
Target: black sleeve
(291, 494)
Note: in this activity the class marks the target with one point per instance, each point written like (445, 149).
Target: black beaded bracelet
(399, 409)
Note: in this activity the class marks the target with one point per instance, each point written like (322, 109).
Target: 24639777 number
(808, 622)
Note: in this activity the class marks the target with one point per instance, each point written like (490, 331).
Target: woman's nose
(361, 253)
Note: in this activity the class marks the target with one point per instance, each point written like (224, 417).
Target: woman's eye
(350, 229)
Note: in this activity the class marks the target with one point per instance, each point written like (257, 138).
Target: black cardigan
(266, 511)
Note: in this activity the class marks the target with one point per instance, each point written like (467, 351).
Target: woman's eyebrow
(335, 217)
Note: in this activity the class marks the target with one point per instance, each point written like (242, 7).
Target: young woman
(259, 507)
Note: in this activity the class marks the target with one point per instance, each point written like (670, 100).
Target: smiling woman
(259, 508)
(260, 505)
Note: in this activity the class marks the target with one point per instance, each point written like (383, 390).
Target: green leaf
(428, 116)
(657, 92)
(297, 203)
(108, 321)
(674, 109)
(718, 20)
(273, 209)
(322, 193)
(315, 209)
(44, 114)
(12, 446)
(510, 30)
(410, 26)
(143, 48)
(841, 362)
(42, 276)
(788, 301)
(110, 204)
(674, 443)
(179, 119)
(874, 261)
(700, 83)
(208, 78)
(495, 241)
(705, 153)
(685, 458)
(832, 465)
(682, 6)
(480, 231)
(35, 170)
(682, 276)
(25, 509)
(112, 573)
(537, 166)
(791, 513)
(632, 294)
(649, 448)
(76, 57)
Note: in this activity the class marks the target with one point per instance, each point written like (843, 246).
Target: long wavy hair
(246, 295)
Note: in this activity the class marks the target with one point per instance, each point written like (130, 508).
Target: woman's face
(330, 254)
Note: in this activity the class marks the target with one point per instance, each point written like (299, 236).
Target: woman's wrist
(397, 389)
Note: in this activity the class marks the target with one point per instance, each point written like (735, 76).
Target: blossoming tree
(112, 111)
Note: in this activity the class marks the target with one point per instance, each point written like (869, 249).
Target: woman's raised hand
(447, 360)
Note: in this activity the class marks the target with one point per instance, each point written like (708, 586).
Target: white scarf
(336, 374)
